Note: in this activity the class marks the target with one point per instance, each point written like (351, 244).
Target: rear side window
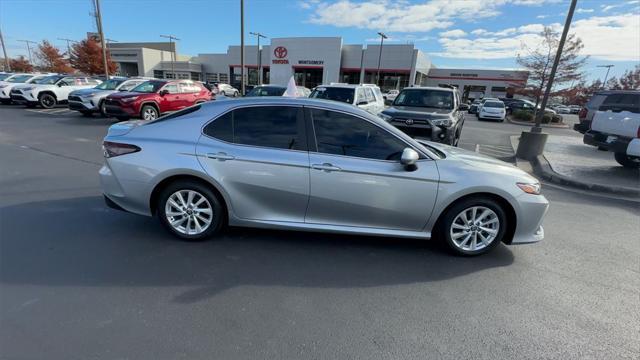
(266, 126)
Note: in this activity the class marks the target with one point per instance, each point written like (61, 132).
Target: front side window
(266, 126)
(149, 87)
(369, 95)
(342, 134)
(49, 80)
(109, 84)
(68, 81)
(129, 85)
(19, 78)
(171, 88)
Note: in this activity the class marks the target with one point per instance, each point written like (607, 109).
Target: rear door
(259, 156)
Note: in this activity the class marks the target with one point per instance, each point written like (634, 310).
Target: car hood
(82, 92)
(480, 161)
(417, 112)
(124, 94)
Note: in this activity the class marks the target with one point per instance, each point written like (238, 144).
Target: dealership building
(312, 61)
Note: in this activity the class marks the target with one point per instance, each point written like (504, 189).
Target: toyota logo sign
(409, 121)
(280, 52)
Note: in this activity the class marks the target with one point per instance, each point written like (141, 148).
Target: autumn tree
(630, 80)
(51, 59)
(86, 57)
(20, 64)
(539, 60)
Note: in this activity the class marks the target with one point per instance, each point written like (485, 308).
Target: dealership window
(223, 78)
(158, 74)
(195, 76)
(252, 76)
(168, 75)
(388, 80)
(183, 76)
(350, 77)
(266, 73)
(500, 89)
(212, 77)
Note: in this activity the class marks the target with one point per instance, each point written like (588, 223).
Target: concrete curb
(526, 123)
(541, 167)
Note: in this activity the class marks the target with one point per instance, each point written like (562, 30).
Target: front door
(171, 101)
(357, 180)
(259, 155)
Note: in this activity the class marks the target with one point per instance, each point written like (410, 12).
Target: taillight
(582, 114)
(113, 149)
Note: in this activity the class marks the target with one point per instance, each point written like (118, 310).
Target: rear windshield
(494, 104)
(621, 102)
(267, 91)
(345, 95)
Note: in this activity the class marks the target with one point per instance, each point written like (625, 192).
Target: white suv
(51, 90)
(17, 79)
(365, 96)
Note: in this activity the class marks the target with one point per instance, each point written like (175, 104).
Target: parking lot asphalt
(81, 281)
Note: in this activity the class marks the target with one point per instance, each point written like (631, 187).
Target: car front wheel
(627, 161)
(473, 226)
(148, 112)
(47, 101)
(190, 210)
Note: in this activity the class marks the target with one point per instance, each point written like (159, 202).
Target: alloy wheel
(149, 114)
(188, 212)
(474, 228)
(47, 101)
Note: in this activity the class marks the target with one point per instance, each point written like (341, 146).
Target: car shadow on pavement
(80, 242)
(96, 120)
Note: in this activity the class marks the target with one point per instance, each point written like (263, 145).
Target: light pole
(242, 88)
(69, 41)
(604, 83)
(532, 143)
(103, 42)
(259, 63)
(7, 64)
(28, 48)
(173, 53)
(382, 37)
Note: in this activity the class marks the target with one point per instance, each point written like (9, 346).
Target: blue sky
(454, 33)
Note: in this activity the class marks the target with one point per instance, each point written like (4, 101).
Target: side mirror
(463, 107)
(61, 84)
(409, 158)
(163, 92)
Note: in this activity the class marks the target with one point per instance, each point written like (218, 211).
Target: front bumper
(81, 104)
(424, 130)
(530, 212)
(5, 94)
(491, 116)
(614, 143)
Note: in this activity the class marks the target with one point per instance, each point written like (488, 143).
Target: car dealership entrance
(308, 77)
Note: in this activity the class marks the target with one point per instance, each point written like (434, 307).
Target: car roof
(285, 100)
(429, 88)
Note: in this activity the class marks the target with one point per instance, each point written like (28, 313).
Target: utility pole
(242, 88)
(259, 63)
(103, 41)
(604, 84)
(532, 143)
(382, 37)
(28, 48)
(7, 64)
(173, 53)
(69, 41)
(109, 41)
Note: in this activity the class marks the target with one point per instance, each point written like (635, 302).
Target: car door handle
(325, 167)
(220, 156)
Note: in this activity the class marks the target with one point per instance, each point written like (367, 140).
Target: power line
(28, 48)
(173, 52)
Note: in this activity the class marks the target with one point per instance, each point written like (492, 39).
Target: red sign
(280, 52)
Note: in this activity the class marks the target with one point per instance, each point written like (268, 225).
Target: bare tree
(538, 61)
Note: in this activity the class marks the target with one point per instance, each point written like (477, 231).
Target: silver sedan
(312, 165)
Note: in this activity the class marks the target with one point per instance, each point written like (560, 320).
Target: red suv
(154, 98)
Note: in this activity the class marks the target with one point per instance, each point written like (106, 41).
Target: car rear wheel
(473, 226)
(148, 112)
(190, 210)
(627, 161)
(47, 101)
(103, 109)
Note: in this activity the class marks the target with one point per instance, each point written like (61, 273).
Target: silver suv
(88, 101)
(309, 165)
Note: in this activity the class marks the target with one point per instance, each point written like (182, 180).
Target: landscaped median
(521, 117)
(567, 161)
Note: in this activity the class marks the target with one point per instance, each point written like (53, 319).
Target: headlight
(385, 117)
(530, 188)
(129, 99)
(441, 122)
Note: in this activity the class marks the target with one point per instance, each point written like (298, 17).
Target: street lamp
(259, 63)
(173, 52)
(7, 65)
(382, 37)
(69, 41)
(604, 84)
(28, 48)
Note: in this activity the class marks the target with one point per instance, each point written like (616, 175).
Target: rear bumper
(582, 127)
(614, 143)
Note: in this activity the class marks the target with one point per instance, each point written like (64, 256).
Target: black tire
(149, 112)
(445, 223)
(103, 109)
(47, 101)
(217, 219)
(122, 118)
(627, 161)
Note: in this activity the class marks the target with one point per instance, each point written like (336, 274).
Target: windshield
(494, 104)
(4, 76)
(345, 95)
(19, 78)
(149, 87)
(49, 80)
(109, 84)
(425, 98)
(267, 91)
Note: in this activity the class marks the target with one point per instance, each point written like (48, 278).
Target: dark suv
(616, 100)
(433, 113)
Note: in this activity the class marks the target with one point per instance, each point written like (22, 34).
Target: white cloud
(531, 28)
(542, 16)
(456, 33)
(479, 32)
(584, 11)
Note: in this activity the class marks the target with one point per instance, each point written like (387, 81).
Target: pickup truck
(617, 131)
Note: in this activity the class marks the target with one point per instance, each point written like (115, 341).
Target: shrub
(523, 115)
